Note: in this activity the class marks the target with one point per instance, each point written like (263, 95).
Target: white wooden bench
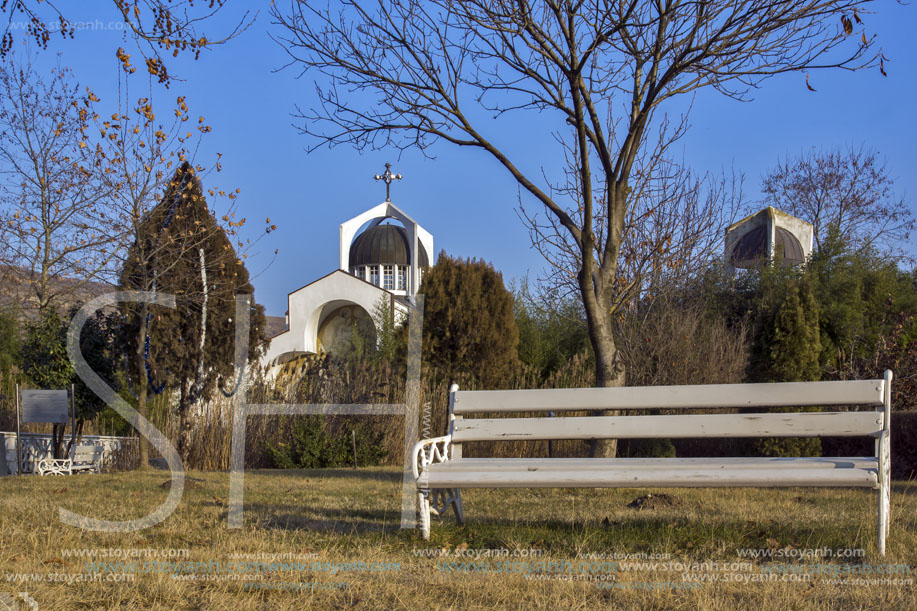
(83, 457)
(441, 472)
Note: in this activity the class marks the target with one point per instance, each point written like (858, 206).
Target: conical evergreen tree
(788, 351)
(469, 328)
(182, 251)
(796, 345)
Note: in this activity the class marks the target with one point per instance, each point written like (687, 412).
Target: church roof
(385, 245)
(752, 249)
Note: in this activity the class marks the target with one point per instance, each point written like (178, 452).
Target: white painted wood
(884, 455)
(87, 458)
(809, 424)
(87, 453)
(480, 465)
(82, 458)
(423, 507)
(783, 394)
(648, 478)
(884, 490)
(870, 472)
(454, 448)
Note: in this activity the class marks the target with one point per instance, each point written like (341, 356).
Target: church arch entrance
(343, 327)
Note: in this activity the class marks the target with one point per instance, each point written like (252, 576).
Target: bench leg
(883, 517)
(884, 495)
(457, 506)
(423, 506)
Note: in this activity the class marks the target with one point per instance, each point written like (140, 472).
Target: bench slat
(782, 394)
(586, 464)
(628, 478)
(85, 453)
(808, 424)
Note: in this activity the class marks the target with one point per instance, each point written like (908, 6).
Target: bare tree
(143, 152)
(674, 228)
(54, 226)
(848, 189)
(408, 73)
(160, 28)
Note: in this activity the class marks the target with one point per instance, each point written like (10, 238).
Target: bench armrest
(429, 451)
(54, 466)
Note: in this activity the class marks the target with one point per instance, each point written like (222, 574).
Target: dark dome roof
(751, 249)
(385, 244)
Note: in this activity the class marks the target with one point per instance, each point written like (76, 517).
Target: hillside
(15, 292)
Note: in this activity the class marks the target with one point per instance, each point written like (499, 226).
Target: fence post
(18, 442)
(73, 418)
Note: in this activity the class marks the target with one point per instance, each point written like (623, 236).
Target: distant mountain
(15, 291)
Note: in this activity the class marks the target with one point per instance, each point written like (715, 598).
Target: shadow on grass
(671, 534)
(390, 474)
(322, 519)
(905, 487)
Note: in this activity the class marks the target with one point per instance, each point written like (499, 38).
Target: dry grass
(353, 516)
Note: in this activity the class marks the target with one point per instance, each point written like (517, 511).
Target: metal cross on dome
(387, 177)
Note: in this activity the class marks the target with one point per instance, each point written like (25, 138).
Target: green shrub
(646, 448)
(787, 348)
(313, 446)
(468, 323)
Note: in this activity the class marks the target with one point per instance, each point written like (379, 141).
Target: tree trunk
(184, 419)
(143, 444)
(76, 435)
(609, 367)
(57, 440)
(609, 372)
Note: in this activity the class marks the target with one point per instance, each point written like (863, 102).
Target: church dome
(752, 249)
(385, 245)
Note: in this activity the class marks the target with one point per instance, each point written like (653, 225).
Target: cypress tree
(790, 347)
(182, 250)
(469, 329)
(795, 345)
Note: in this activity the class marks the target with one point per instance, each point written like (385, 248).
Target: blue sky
(463, 196)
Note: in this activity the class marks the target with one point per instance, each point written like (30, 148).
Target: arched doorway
(344, 328)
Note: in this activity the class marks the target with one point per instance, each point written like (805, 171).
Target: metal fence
(119, 453)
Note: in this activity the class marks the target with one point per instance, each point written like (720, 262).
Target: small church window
(374, 274)
(402, 277)
(388, 281)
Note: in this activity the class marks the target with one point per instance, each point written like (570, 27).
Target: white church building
(383, 253)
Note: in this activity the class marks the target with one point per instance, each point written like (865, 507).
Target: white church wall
(307, 305)
(310, 306)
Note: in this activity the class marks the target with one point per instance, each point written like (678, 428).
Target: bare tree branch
(409, 73)
(160, 28)
(850, 190)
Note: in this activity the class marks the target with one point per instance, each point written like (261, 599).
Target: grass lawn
(555, 549)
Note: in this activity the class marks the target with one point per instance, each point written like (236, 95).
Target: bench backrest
(790, 394)
(87, 453)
